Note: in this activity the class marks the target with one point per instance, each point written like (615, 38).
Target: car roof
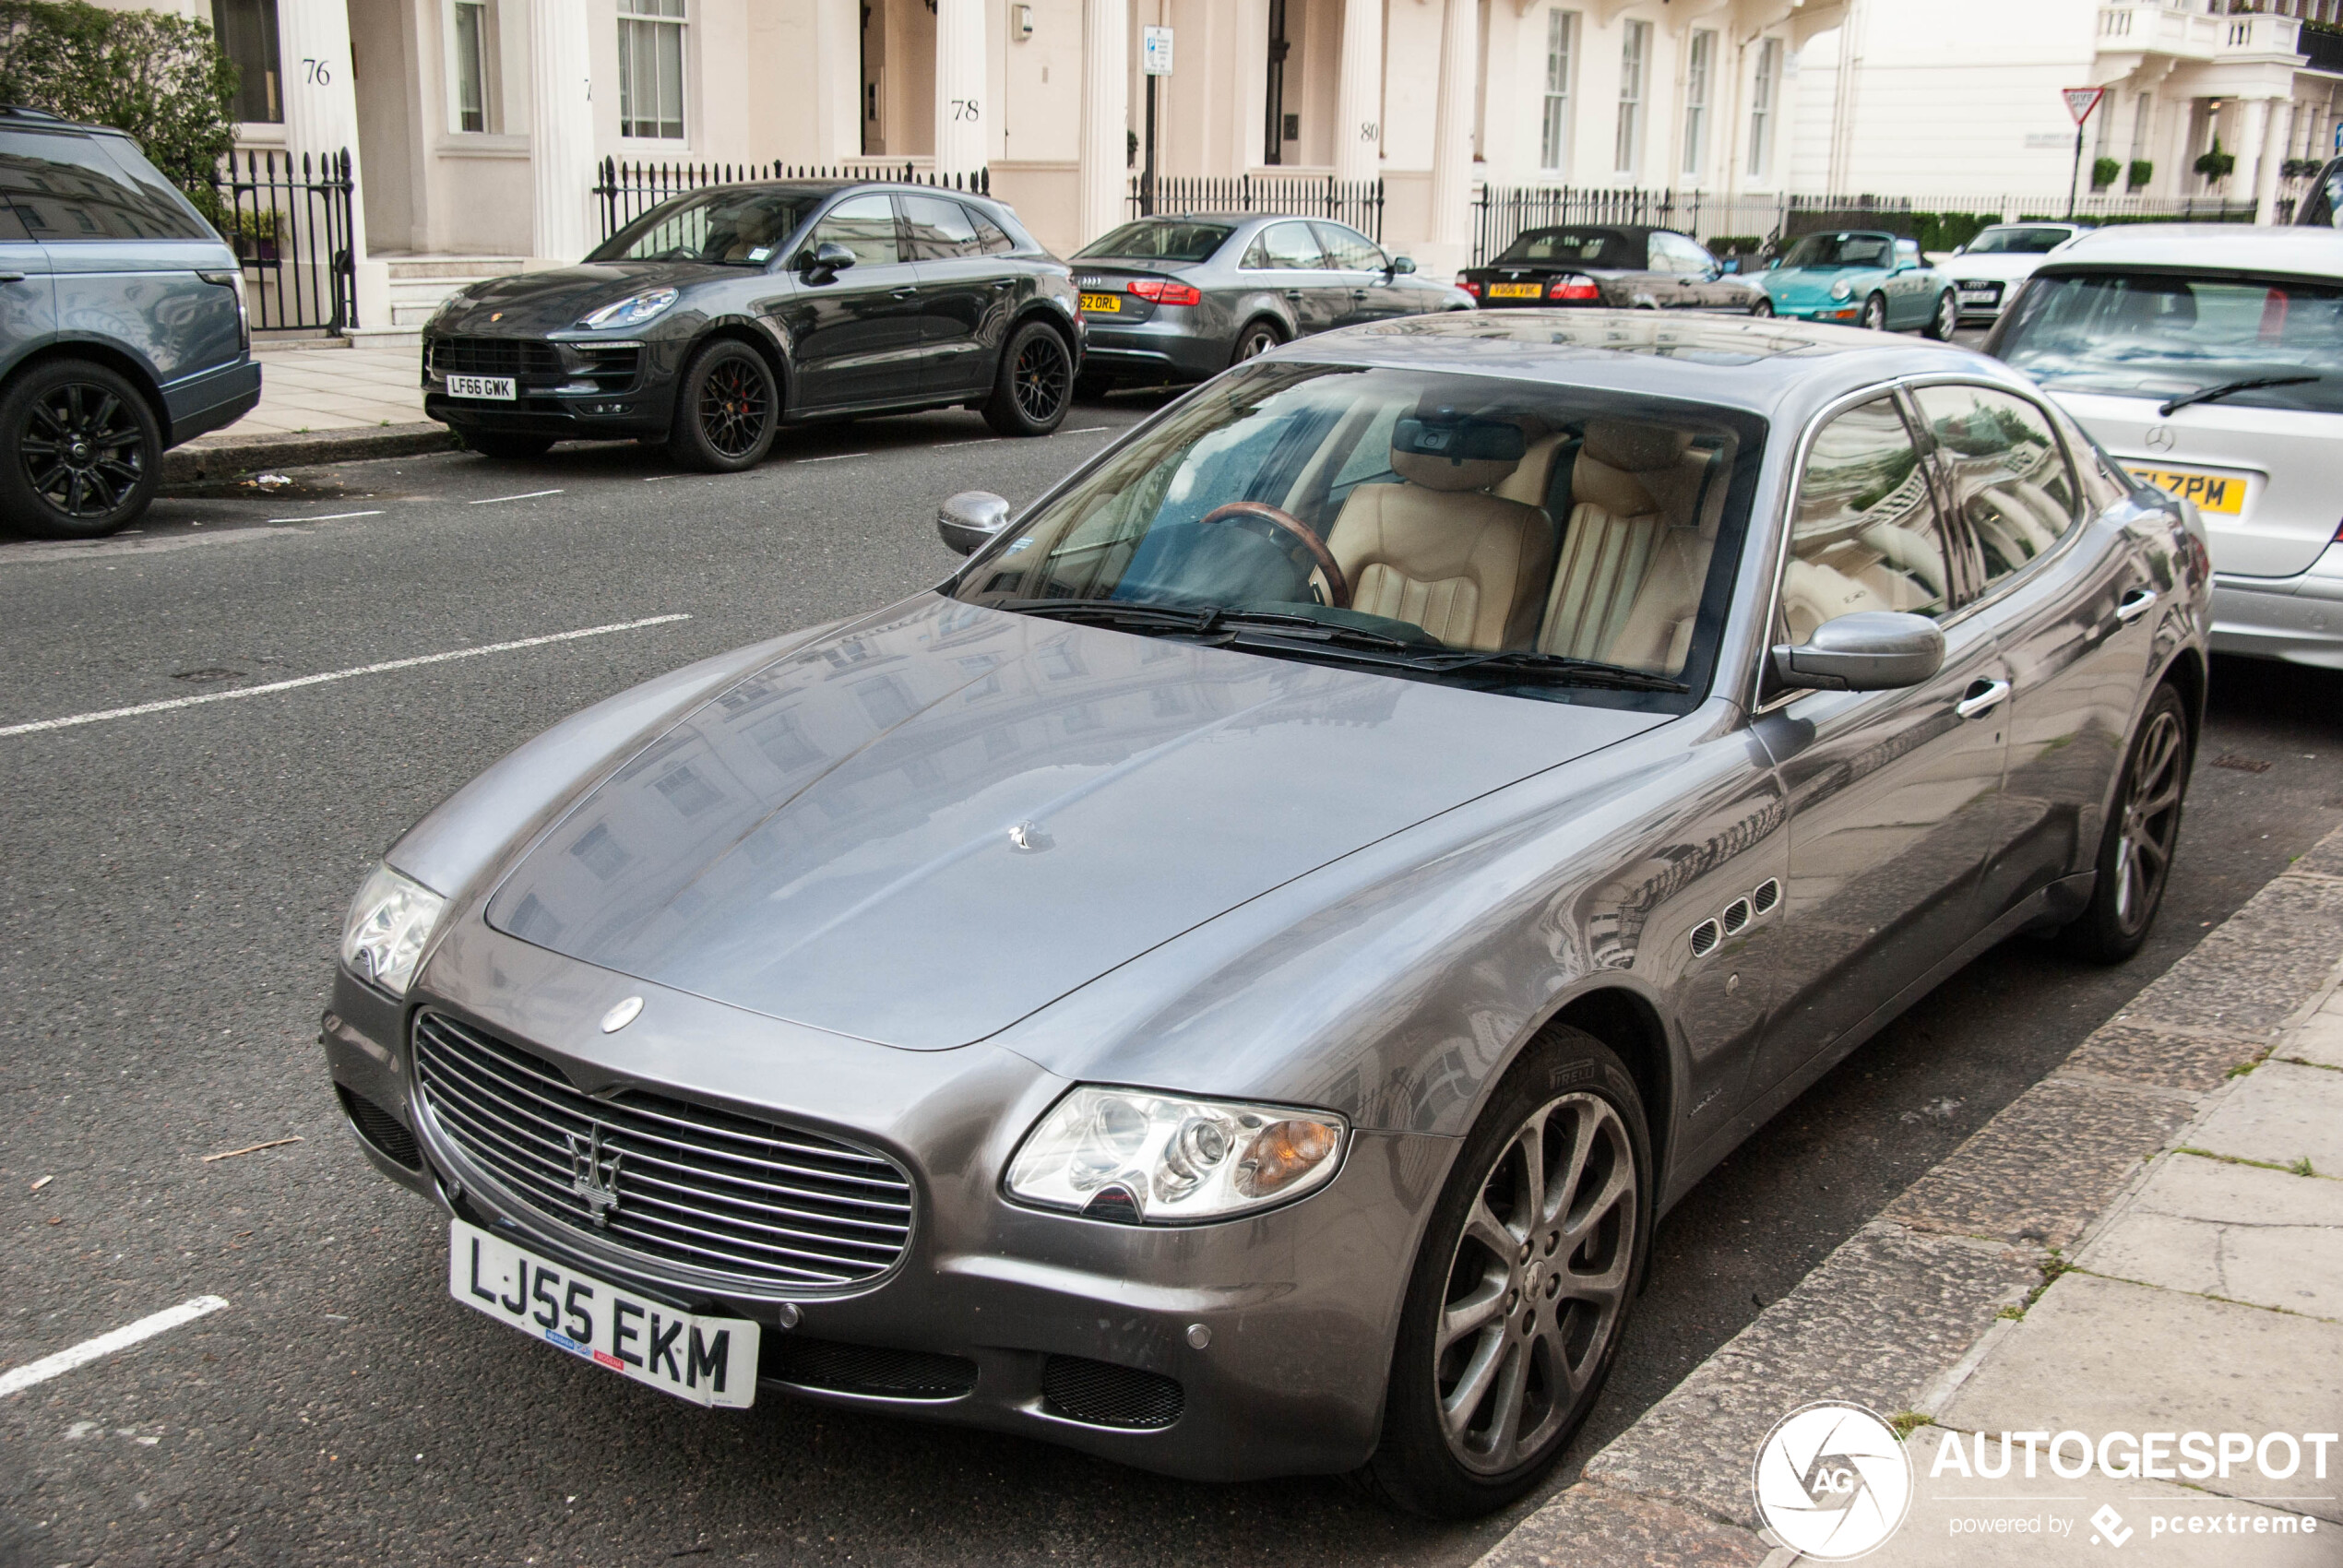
(24, 117)
(1771, 366)
(2229, 247)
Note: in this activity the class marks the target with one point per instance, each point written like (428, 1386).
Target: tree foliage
(163, 79)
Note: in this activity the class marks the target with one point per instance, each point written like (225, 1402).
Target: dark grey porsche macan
(718, 317)
(1231, 979)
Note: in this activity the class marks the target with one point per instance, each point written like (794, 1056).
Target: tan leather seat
(1441, 551)
(1635, 558)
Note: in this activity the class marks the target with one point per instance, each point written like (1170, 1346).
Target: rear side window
(1348, 250)
(2009, 475)
(1866, 534)
(939, 229)
(990, 237)
(864, 225)
(67, 188)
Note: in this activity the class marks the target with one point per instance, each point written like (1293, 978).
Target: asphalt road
(174, 888)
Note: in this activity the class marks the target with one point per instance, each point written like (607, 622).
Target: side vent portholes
(1769, 894)
(1705, 937)
(1736, 916)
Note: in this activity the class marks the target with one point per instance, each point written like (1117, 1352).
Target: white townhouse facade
(1939, 103)
(478, 125)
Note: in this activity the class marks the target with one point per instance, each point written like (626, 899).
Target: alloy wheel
(1041, 377)
(735, 402)
(1876, 313)
(1947, 316)
(2151, 819)
(1762, 308)
(1257, 340)
(82, 449)
(1538, 1284)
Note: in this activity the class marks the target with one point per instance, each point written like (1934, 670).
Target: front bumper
(1298, 1306)
(1847, 310)
(574, 398)
(2297, 619)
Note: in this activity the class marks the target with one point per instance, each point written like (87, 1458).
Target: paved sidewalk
(2147, 1241)
(318, 405)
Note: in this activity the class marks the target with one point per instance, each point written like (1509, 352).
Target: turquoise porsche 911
(1871, 278)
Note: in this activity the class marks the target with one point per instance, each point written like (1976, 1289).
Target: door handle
(1358, 294)
(901, 293)
(11, 276)
(2136, 604)
(1982, 696)
(1004, 282)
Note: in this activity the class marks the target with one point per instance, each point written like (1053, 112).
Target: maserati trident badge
(620, 1016)
(593, 1178)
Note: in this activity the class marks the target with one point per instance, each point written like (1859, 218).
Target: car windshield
(1160, 239)
(1587, 247)
(734, 225)
(2163, 335)
(1841, 250)
(2017, 242)
(1560, 543)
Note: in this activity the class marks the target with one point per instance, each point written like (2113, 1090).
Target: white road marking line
(979, 441)
(1087, 430)
(328, 517)
(81, 1354)
(834, 458)
(523, 496)
(389, 664)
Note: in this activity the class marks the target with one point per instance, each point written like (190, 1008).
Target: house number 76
(317, 71)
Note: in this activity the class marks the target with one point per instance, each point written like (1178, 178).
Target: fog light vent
(381, 1130)
(1103, 1394)
(863, 1369)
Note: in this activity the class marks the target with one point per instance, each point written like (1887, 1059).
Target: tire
(1761, 309)
(1946, 321)
(505, 447)
(84, 451)
(1874, 317)
(1258, 338)
(1489, 1258)
(1035, 384)
(2135, 852)
(728, 408)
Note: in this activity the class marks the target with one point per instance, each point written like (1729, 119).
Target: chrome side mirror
(1872, 650)
(969, 520)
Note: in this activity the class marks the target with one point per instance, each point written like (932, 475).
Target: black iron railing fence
(1358, 203)
(626, 191)
(290, 224)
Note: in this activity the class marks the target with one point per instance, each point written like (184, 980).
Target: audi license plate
(1103, 304)
(1976, 296)
(497, 387)
(2224, 494)
(708, 1360)
(1516, 290)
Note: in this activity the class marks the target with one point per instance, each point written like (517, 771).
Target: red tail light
(1573, 287)
(1470, 286)
(1164, 291)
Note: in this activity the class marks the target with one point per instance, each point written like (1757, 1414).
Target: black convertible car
(716, 317)
(1612, 266)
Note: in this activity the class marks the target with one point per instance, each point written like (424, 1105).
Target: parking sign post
(2080, 101)
(1155, 59)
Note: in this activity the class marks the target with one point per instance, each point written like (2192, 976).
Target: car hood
(1805, 284)
(554, 301)
(1994, 264)
(924, 828)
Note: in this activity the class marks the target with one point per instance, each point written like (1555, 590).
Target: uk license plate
(708, 1360)
(1516, 290)
(496, 386)
(1103, 304)
(1980, 296)
(2224, 494)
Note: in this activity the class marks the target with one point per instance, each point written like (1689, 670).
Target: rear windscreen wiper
(2207, 394)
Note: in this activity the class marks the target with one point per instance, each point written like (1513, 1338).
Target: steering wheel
(1337, 586)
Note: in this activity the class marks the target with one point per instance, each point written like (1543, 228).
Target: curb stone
(210, 458)
(1901, 1313)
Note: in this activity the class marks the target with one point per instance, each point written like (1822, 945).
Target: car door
(964, 294)
(1908, 300)
(855, 334)
(1369, 289)
(1892, 796)
(27, 294)
(2067, 598)
(1317, 297)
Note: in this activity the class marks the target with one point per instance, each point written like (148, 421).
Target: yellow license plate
(2224, 494)
(1104, 304)
(1516, 290)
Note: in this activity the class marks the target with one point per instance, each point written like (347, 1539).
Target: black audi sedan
(1611, 267)
(714, 318)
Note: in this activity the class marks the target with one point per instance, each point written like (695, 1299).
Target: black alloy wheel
(1521, 1286)
(1258, 338)
(1035, 384)
(2143, 829)
(1874, 317)
(89, 451)
(728, 408)
(1946, 321)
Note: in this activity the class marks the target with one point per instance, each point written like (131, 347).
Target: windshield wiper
(1558, 667)
(1134, 615)
(2207, 394)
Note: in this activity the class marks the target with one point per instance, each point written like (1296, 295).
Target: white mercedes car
(1989, 268)
(2209, 360)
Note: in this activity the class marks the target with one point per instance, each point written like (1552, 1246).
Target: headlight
(1153, 1159)
(389, 921)
(1842, 290)
(632, 312)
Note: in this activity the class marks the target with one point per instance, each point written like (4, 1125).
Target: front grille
(611, 369)
(496, 356)
(1104, 1395)
(864, 1369)
(714, 1190)
(381, 1129)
